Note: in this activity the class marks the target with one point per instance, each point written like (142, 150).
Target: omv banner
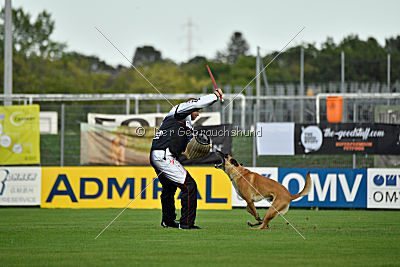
(336, 188)
(384, 188)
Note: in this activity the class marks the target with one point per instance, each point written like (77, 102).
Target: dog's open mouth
(222, 158)
(218, 166)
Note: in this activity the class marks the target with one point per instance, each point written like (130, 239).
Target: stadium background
(361, 237)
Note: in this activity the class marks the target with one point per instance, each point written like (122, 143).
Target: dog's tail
(306, 189)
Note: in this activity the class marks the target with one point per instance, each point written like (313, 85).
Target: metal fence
(241, 109)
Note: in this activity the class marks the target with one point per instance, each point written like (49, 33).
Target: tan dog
(269, 189)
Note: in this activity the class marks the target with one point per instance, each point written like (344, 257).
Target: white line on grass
(126, 207)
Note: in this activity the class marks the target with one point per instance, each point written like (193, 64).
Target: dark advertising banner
(221, 139)
(347, 138)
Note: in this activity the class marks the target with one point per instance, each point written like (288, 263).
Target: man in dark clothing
(168, 144)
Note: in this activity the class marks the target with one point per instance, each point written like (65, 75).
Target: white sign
(20, 186)
(149, 119)
(271, 173)
(383, 188)
(311, 138)
(48, 122)
(275, 138)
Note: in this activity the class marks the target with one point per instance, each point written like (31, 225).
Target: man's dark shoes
(169, 224)
(184, 226)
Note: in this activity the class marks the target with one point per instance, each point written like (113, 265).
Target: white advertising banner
(271, 173)
(48, 122)
(149, 119)
(20, 186)
(275, 138)
(383, 188)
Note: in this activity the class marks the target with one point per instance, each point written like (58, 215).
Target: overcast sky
(268, 24)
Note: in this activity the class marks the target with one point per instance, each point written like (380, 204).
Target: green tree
(88, 63)
(146, 55)
(237, 46)
(364, 60)
(32, 37)
(392, 46)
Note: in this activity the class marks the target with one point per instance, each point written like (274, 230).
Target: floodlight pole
(62, 139)
(258, 84)
(388, 73)
(256, 107)
(343, 89)
(7, 53)
(301, 84)
(342, 73)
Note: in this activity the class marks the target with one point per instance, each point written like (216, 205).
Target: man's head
(195, 113)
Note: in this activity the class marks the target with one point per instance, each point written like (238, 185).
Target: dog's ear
(226, 156)
(234, 162)
(241, 164)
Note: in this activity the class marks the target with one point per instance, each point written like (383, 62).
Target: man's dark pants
(188, 199)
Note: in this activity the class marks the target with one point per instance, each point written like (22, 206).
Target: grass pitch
(35, 237)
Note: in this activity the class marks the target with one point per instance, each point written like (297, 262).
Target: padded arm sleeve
(184, 109)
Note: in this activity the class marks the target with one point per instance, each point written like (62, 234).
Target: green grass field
(36, 237)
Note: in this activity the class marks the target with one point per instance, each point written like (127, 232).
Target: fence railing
(64, 148)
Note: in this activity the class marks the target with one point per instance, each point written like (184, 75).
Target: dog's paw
(249, 223)
(260, 228)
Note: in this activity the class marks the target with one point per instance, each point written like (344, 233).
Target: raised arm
(186, 108)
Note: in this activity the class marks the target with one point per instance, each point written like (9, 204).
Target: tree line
(42, 65)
